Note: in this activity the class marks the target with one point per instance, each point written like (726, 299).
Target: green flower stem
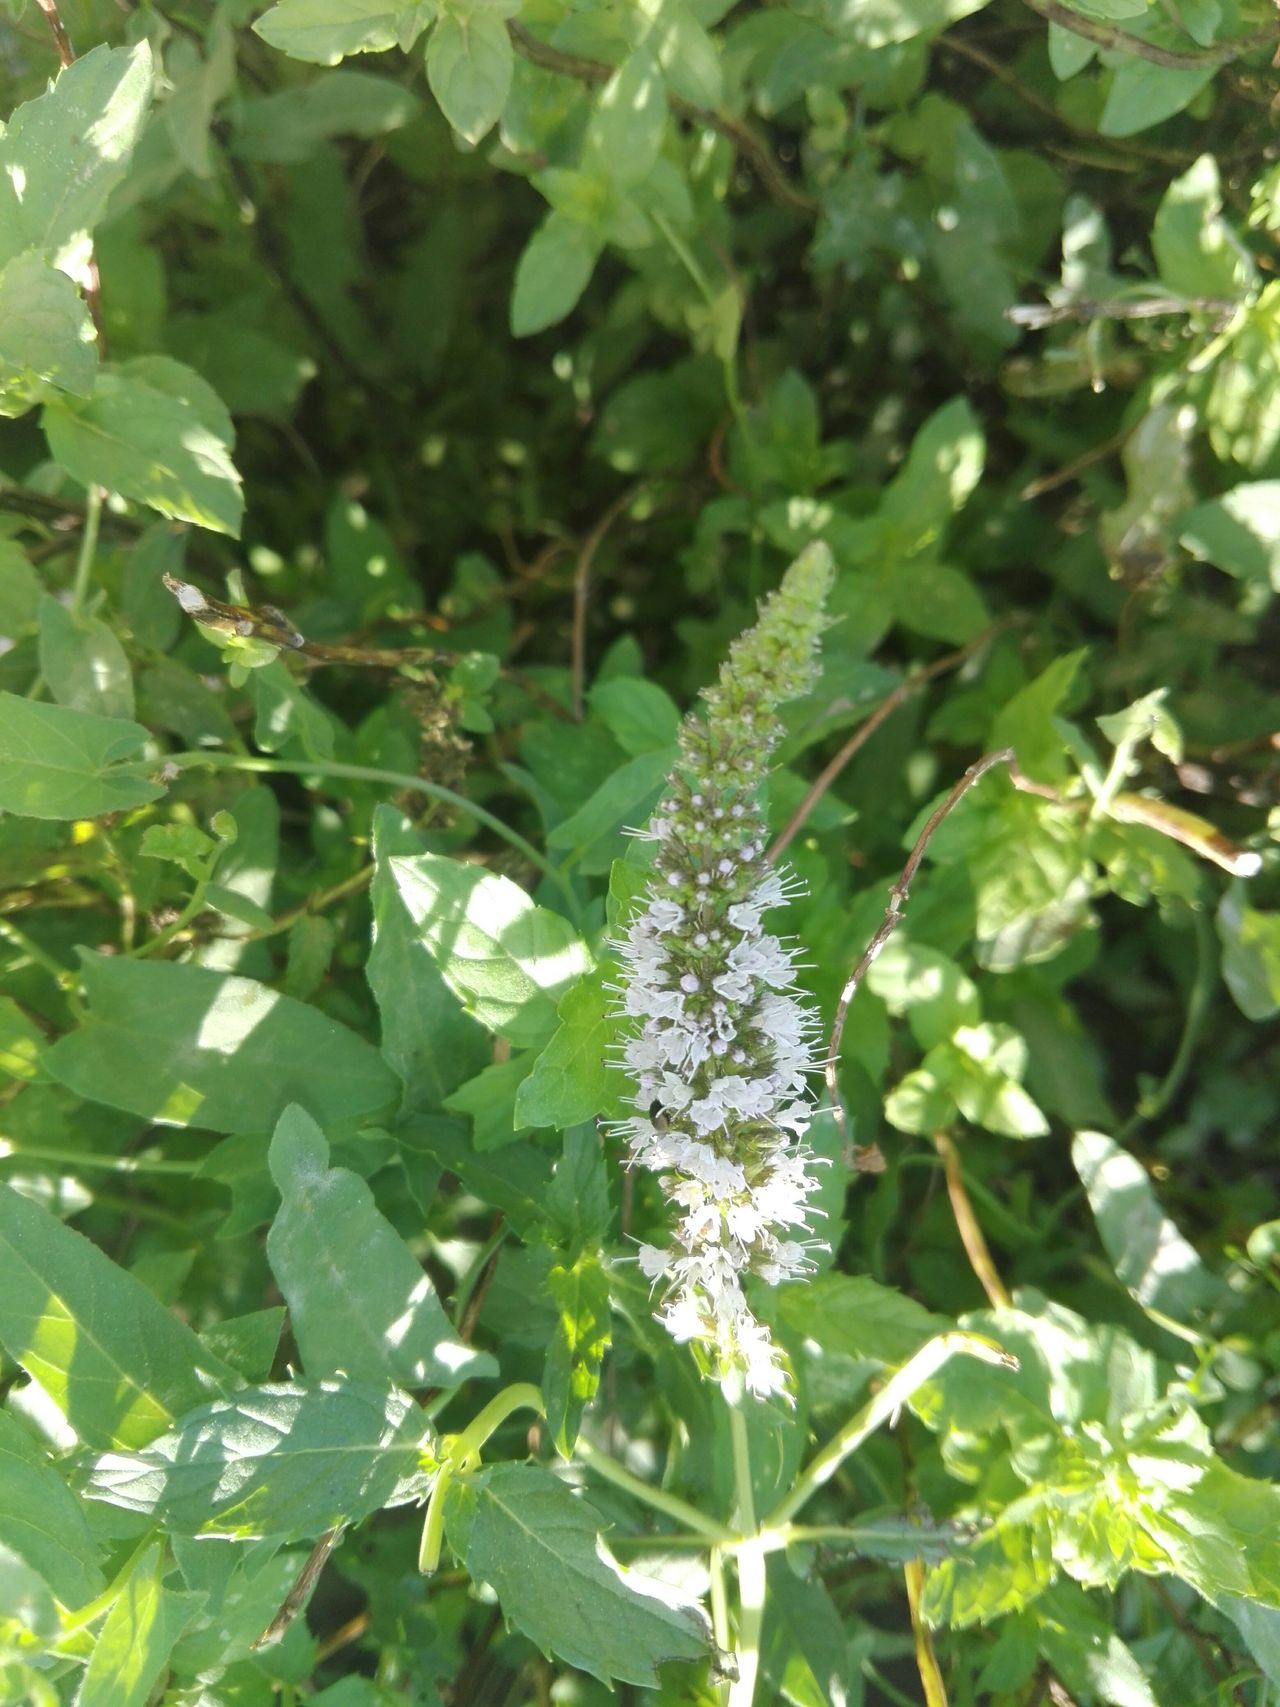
(609, 1470)
(11, 1152)
(38, 956)
(750, 1560)
(720, 1627)
(465, 1448)
(432, 1543)
(752, 1584)
(88, 549)
(887, 1402)
(192, 910)
(371, 773)
(1199, 1000)
(460, 1453)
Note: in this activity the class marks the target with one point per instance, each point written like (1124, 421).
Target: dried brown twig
(862, 734)
(893, 918)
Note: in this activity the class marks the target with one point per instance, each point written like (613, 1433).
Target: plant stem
(862, 734)
(609, 1470)
(521, 1395)
(1199, 1000)
(37, 955)
(736, 130)
(892, 1396)
(971, 1234)
(371, 773)
(88, 549)
(893, 918)
(11, 1152)
(1108, 37)
(935, 1690)
(750, 1562)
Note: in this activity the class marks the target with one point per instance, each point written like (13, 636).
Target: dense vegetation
(405, 408)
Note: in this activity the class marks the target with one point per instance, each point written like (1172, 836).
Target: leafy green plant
(424, 1274)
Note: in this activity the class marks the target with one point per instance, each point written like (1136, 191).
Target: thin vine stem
(371, 773)
(88, 549)
(609, 1470)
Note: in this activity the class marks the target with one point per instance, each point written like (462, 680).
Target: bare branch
(1037, 315)
(1107, 36)
(863, 733)
(744, 139)
(893, 918)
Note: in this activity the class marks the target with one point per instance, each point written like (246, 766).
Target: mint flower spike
(721, 1049)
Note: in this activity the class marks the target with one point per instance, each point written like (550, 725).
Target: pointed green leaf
(41, 1519)
(290, 1459)
(47, 340)
(507, 960)
(154, 431)
(469, 66)
(519, 1529)
(133, 1648)
(117, 1364)
(64, 152)
(186, 1046)
(359, 1301)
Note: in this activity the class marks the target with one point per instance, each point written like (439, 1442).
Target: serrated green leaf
(469, 65)
(626, 129)
(1239, 532)
(153, 431)
(487, 1100)
(854, 1316)
(552, 274)
(359, 1301)
(1197, 254)
(325, 31)
(572, 1080)
(1250, 954)
(306, 1454)
(64, 153)
(519, 1529)
(134, 1645)
(641, 716)
(83, 662)
(575, 1355)
(41, 1519)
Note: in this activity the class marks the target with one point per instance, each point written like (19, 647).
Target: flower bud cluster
(721, 1048)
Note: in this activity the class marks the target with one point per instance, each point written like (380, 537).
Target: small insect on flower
(720, 1048)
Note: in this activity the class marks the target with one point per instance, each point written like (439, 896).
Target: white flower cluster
(722, 1048)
